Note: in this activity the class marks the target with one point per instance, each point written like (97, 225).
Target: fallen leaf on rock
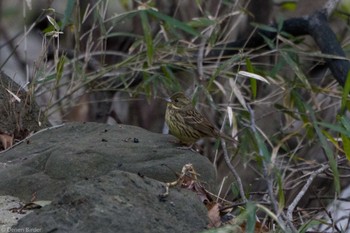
(33, 204)
(187, 176)
(42, 203)
(6, 140)
(29, 206)
(127, 139)
(189, 179)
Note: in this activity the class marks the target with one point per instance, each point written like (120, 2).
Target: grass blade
(148, 36)
(173, 22)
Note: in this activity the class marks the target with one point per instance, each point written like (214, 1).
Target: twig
(233, 170)
(269, 178)
(269, 181)
(330, 6)
(303, 191)
(315, 25)
(200, 60)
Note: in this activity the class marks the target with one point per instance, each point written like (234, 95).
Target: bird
(187, 124)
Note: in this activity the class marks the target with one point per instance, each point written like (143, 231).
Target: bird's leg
(193, 147)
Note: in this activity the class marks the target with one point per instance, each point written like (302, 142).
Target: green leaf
(253, 87)
(148, 36)
(235, 190)
(171, 80)
(265, 27)
(305, 227)
(281, 198)
(289, 6)
(253, 82)
(263, 151)
(296, 68)
(326, 148)
(346, 145)
(346, 137)
(345, 122)
(201, 22)
(123, 16)
(345, 94)
(277, 67)
(123, 34)
(335, 128)
(53, 23)
(251, 217)
(269, 42)
(221, 67)
(46, 79)
(60, 68)
(299, 104)
(287, 111)
(173, 22)
(68, 13)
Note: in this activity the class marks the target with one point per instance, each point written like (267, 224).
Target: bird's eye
(176, 100)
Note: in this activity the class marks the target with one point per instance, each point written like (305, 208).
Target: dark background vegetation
(116, 61)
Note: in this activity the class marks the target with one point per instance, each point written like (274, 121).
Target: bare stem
(303, 190)
(233, 170)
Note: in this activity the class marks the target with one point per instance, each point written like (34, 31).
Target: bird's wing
(200, 123)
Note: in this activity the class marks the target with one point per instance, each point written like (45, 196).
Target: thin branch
(233, 170)
(269, 180)
(315, 25)
(330, 6)
(303, 190)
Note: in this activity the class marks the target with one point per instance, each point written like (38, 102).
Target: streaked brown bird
(186, 123)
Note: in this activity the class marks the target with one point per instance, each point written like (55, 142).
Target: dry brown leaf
(6, 140)
(202, 193)
(259, 228)
(186, 178)
(214, 216)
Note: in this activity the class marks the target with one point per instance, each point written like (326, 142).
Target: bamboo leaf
(148, 36)
(238, 93)
(173, 22)
(14, 95)
(253, 76)
(345, 122)
(326, 148)
(201, 22)
(281, 198)
(253, 84)
(346, 145)
(345, 94)
(53, 23)
(60, 68)
(263, 151)
(346, 137)
(230, 115)
(265, 27)
(68, 13)
(296, 68)
(251, 217)
(335, 128)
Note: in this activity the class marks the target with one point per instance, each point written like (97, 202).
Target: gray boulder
(103, 178)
